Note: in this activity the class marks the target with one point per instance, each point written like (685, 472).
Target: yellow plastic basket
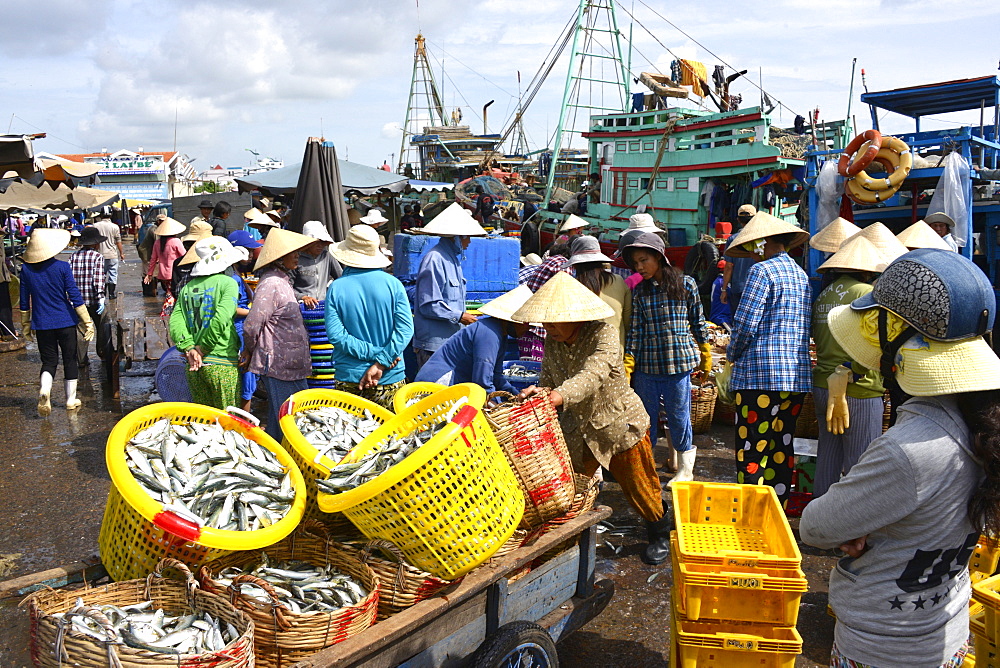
(411, 393)
(987, 592)
(137, 532)
(733, 526)
(301, 450)
(986, 655)
(765, 596)
(985, 557)
(449, 505)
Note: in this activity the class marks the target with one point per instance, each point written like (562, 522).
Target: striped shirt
(770, 340)
(88, 272)
(664, 331)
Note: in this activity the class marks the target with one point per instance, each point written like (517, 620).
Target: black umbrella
(318, 192)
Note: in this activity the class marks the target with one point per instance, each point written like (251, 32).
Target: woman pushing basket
(602, 418)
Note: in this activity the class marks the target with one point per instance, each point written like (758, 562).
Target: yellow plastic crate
(985, 558)
(987, 592)
(731, 525)
(986, 655)
(731, 644)
(761, 596)
(411, 393)
(305, 453)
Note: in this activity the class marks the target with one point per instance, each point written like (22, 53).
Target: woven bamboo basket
(282, 637)
(587, 490)
(528, 431)
(724, 413)
(807, 426)
(703, 407)
(401, 584)
(172, 595)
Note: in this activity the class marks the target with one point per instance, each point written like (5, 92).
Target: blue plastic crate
(490, 265)
(521, 383)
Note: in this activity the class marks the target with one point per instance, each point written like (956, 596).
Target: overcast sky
(266, 75)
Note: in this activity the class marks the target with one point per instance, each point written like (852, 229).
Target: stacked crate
(737, 578)
(319, 348)
(984, 608)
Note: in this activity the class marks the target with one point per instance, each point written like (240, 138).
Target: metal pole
(850, 97)
(567, 89)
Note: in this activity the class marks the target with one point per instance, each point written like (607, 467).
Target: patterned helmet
(941, 294)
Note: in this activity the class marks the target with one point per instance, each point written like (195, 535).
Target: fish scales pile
(382, 457)
(334, 431)
(209, 475)
(141, 626)
(300, 586)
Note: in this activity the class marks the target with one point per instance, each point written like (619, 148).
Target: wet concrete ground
(53, 487)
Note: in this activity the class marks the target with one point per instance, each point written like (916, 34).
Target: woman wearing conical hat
(602, 418)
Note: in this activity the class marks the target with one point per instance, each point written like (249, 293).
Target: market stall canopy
(17, 155)
(69, 171)
(428, 186)
(938, 98)
(60, 197)
(357, 178)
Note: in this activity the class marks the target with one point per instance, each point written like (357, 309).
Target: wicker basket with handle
(528, 431)
(283, 637)
(702, 407)
(54, 643)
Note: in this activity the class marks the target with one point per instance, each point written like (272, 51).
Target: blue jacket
(473, 355)
(721, 313)
(48, 289)
(368, 320)
(440, 295)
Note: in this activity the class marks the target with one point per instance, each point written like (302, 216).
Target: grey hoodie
(904, 602)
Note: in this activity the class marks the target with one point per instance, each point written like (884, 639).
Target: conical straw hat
(573, 222)
(921, 235)
(455, 221)
(507, 304)
(169, 227)
(856, 254)
(563, 299)
(833, 235)
(45, 243)
(279, 243)
(884, 240)
(761, 226)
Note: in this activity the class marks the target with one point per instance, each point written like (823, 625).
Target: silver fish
(300, 586)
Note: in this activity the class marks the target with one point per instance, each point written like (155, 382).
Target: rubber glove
(706, 357)
(100, 307)
(838, 418)
(26, 324)
(629, 365)
(86, 325)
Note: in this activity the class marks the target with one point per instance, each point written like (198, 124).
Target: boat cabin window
(633, 146)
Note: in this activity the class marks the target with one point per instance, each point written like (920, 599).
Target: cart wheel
(517, 645)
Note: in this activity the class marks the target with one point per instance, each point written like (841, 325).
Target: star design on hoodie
(936, 598)
(918, 602)
(896, 604)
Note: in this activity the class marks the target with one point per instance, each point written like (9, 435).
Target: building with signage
(148, 175)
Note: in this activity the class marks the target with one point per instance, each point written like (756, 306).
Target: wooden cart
(496, 616)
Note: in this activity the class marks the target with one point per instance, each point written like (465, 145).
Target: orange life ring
(898, 154)
(845, 167)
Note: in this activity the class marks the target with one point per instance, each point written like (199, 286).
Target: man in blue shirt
(368, 320)
(476, 354)
(439, 306)
(734, 276)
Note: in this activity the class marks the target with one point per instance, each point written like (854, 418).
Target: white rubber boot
(685, 469)
(72, 403)
(44, 394)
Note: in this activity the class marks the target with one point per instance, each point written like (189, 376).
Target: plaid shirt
(770, 339)
(88, 272)
(524, 273)
(664, 331)
(546, 270)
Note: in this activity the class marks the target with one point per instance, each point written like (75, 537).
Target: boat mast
(424, 106)
(594, 19)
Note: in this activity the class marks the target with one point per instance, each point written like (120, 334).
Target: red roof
(80, 157)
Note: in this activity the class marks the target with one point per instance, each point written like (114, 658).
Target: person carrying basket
(603, 420)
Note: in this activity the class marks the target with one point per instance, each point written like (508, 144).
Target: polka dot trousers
(765, 425)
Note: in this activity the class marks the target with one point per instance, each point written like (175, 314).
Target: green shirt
(829, 354)
(204, 316)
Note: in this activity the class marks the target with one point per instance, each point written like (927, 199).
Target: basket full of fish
(153, 621)
(302, 594)
(320, 427)
(193, 482)
(433, 481)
